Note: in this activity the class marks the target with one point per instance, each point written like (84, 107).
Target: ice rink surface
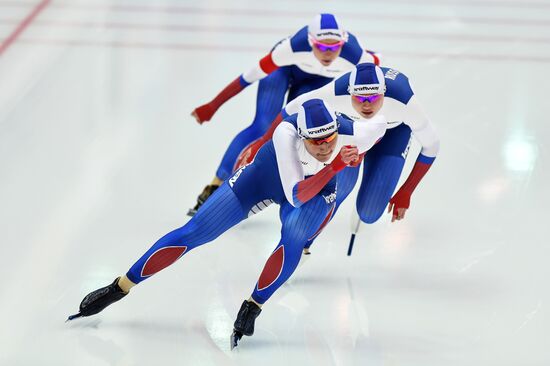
(99, 158)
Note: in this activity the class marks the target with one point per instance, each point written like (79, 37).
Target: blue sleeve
(425, 159)
(299, 42)
(341, 85)
(352, 51)
(284, 114)
(243, 82)
(397, 85)
(345, 125)
(292, 119)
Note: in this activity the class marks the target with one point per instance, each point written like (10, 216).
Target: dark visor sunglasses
(367, 98)
(323, 47)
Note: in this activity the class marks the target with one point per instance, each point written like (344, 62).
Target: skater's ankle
(250, 299)
(125, 284)
(216, 181)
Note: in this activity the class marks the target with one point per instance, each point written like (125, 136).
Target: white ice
(99, 158)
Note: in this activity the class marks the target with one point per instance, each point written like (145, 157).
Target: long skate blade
(74, 316)
(351, 241)
(234, 339)
(355, 224)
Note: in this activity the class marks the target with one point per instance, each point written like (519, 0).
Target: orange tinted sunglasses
(323, 140)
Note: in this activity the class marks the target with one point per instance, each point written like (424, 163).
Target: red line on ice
(148, 8)
(233, 29)
(229, 48)
(24, 24)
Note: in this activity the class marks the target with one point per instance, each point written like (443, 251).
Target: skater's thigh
(382, 168)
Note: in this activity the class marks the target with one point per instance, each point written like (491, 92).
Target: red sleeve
(306, 189)
(376, 60)
(417, 173)
(249, 152)
(269, 133)
(267, 65)
(206, 111)
(374, 56)
(402, 198)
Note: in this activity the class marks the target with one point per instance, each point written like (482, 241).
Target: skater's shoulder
(341, 85)
(352, 50)
(289, 124)
(299, 42)
(292, 120)
(398, 86)
(345, 124)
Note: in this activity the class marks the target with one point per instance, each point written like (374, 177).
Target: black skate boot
(99, 299)
(244, 325)
(206, 192)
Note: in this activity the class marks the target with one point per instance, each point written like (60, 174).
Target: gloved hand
(348, 154)
(203, 113)
(206, 111)
(399, 203)
(357, 162)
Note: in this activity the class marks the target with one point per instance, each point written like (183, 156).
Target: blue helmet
(366, 78)
(326, 26)
(316, 120)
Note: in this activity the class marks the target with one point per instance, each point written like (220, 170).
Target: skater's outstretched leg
(298, 224)
(220, 213)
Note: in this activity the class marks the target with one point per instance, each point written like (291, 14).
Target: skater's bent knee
(370, 217)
